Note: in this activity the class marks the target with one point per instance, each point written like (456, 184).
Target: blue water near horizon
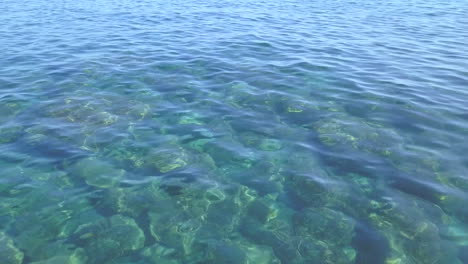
(233, 132)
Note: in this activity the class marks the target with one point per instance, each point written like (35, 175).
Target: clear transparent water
(233, 132)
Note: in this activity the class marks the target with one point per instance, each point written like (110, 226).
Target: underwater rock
(126, 153)
(312, 251)
(10, 133)
(326, 234)
(53, 251)
(191, 119)
(126, 201)
(9, 109)
(85, 109)
(313, 235)
(453, 202)
(36, 135)
(103, 118)
(412, 237)
(158, 253)
(291, 245)
(455, 232)
(12, 176)
(229, 153)
(270, 144)
(263, 209)
(166, 160)
(348, 133)
(222, 219)
(251, 139)
(265, 176)
(125, 231)
(76, 256)
(175, 229)
(157, 195)
(138, 110)
(301, 161)
(111, 238)
(43, 239)
(317, 190)
(324, 224)
(296, 111)
(75, 113)
(366, 185)
(220, 251)
(281, 240)
(176, 221)
(9, 254)
(225, 212)
(64, 109)
(258, 254)
(57, 178)
(241, 95)
(269, 223)
(97, 172)
(82, 217)
(199, 144)
(331, 132)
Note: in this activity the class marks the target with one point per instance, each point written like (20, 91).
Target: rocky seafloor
(233, 132)
(97, 178)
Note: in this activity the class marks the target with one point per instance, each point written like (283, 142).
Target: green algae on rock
(346, 132)
(166, 160)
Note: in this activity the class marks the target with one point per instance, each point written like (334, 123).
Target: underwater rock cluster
(127, 181)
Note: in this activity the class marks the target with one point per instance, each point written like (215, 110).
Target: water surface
(233, 132)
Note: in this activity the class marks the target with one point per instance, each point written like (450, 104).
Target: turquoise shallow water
(251, 132)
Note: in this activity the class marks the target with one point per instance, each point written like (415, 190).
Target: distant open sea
(234, 132)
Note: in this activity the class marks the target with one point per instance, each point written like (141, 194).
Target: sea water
(236, 132)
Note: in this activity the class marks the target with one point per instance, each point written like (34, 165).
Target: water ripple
(233, 132)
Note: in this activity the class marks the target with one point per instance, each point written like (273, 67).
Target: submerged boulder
(296, 111)
(138, 111)
(316, 189)
(76, 256)
(175, 229)
(349, 133)
(9, 109)
(102, 118)
(158, 253)
(228, 154)
(9, 254)
(412, 238)
(326, 234)
(167, 159)
(324, 224)
(110, 238)
(260, 142)
(10, 133)
(97, 172)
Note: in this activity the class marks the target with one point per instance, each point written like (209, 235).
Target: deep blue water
(243, 132)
